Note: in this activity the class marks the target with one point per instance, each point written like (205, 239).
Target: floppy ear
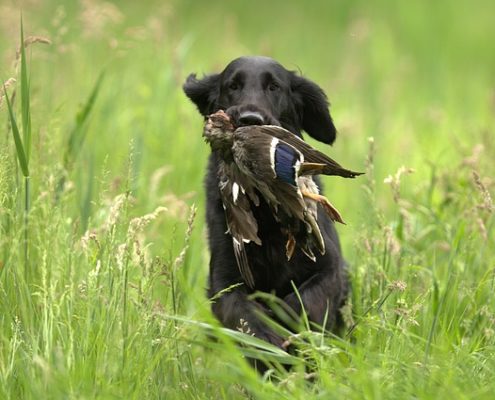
(312, 106)
(202, 92)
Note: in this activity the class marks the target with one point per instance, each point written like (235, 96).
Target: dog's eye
(234, 86)
(272, 87)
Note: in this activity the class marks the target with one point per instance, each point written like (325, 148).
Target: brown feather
(241, 223)
(311, 155)
(307, 168)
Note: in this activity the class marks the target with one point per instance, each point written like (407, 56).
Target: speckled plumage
(270, 161)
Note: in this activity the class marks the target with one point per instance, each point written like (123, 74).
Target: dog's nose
(251, 118)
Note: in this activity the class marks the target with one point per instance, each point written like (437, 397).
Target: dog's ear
(312, 106)
(203, 92)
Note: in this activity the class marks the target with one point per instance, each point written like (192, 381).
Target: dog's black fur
(255, 91)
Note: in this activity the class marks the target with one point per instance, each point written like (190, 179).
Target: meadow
(103, 256)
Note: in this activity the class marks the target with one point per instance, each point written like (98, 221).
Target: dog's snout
(251, 118)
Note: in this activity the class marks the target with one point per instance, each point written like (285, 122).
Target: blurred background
(412, 92)
(418, 77)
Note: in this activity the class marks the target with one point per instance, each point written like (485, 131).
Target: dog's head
(258, 91)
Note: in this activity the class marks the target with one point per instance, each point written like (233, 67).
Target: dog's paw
(272, 338)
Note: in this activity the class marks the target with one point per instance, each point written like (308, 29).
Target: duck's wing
(315, 162)
(272, 167)
(241, 223)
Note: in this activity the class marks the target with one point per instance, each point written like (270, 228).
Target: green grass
(110, 227)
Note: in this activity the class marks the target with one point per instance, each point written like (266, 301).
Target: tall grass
(114, 304)
(23, 146)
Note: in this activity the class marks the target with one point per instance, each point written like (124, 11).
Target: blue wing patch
(286, 159)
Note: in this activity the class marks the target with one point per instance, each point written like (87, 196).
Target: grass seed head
(485, 194)
(115, 210)
(28, 42)
(136, 225)
(394, 181)
(398, 286)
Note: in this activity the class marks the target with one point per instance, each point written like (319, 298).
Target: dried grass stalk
(485, 194)
(28, 42)
(9, 82)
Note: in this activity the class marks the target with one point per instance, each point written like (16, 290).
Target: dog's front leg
(230, 302)
(322, 295)
(237, 312)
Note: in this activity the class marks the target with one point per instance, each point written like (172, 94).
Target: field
(103, 257)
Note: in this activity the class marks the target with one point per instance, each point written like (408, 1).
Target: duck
(271, 162)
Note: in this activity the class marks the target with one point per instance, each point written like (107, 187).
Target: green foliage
(79, 131)
(21, 153)
(114, 304)
(25, 106)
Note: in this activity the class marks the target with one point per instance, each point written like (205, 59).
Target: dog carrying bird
(256, 90)
(273, 162)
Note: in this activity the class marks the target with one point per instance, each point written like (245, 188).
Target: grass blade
(78, 133)
(88, 195)
(21, 155)
(25, 101)
(251, 346)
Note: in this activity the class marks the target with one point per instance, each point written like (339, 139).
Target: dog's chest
(269, 262)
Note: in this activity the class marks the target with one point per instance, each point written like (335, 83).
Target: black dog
(258, 91)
